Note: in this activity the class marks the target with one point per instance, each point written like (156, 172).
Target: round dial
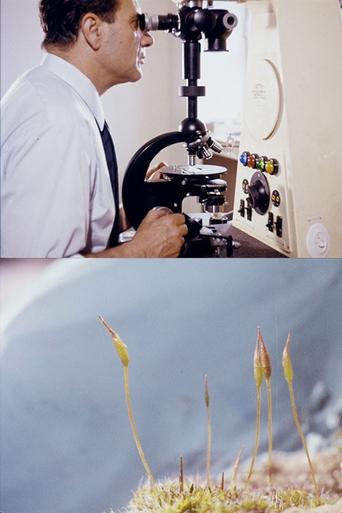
(259, 193)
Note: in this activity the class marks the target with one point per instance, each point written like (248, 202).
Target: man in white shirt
(56, 194)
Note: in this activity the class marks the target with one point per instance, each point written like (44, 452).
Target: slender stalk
(122, 351)
(302, 437)
(288, 374)
(236, 469)
(134, 428)
(257, 434)
(222, 481)
(181, 475)
(209, 429)
(270, 436)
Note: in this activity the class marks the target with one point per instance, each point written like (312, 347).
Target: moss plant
(288, 375)
(195, 498)
(122, 351)
(188, 496)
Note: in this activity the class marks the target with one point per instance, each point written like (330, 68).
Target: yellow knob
(271, 167)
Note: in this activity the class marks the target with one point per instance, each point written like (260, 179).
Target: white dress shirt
(56, 196)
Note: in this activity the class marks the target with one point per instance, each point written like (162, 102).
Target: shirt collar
(79, 82)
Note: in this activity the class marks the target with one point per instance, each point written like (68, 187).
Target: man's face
(123, 51)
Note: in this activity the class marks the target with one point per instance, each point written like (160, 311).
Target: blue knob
(244, 158)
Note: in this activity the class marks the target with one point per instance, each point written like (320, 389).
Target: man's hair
(60, 19)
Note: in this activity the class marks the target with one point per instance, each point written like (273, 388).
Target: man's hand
(154, 173)
(160, 235)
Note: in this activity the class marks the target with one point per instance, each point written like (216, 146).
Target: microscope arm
(140, 196)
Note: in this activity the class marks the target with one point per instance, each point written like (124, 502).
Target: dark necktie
(112, 165)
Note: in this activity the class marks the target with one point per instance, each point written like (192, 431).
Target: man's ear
(92, 29)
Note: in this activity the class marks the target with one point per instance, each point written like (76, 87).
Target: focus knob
(259, 193)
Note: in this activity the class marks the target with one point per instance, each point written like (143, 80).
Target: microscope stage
(198, 170)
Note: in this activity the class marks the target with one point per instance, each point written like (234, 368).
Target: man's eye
(136, 23)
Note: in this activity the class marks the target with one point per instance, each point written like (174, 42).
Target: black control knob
(270, 222)
(259, 193)
(279, 226)
(241, 210)
(194, 227)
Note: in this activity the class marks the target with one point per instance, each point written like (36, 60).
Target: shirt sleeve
(48, 178)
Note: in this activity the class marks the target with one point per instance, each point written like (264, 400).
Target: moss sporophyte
(122, 351)
(214, 496)
(288, 375)
(267, 371)
(258, 378)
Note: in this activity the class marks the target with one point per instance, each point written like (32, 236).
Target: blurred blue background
(66, 445)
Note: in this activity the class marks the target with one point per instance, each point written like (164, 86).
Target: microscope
(195, 20)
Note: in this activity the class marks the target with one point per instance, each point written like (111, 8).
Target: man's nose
(147, 40)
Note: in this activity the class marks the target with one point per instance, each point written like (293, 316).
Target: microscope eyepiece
(191, 23)
(149, 22)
